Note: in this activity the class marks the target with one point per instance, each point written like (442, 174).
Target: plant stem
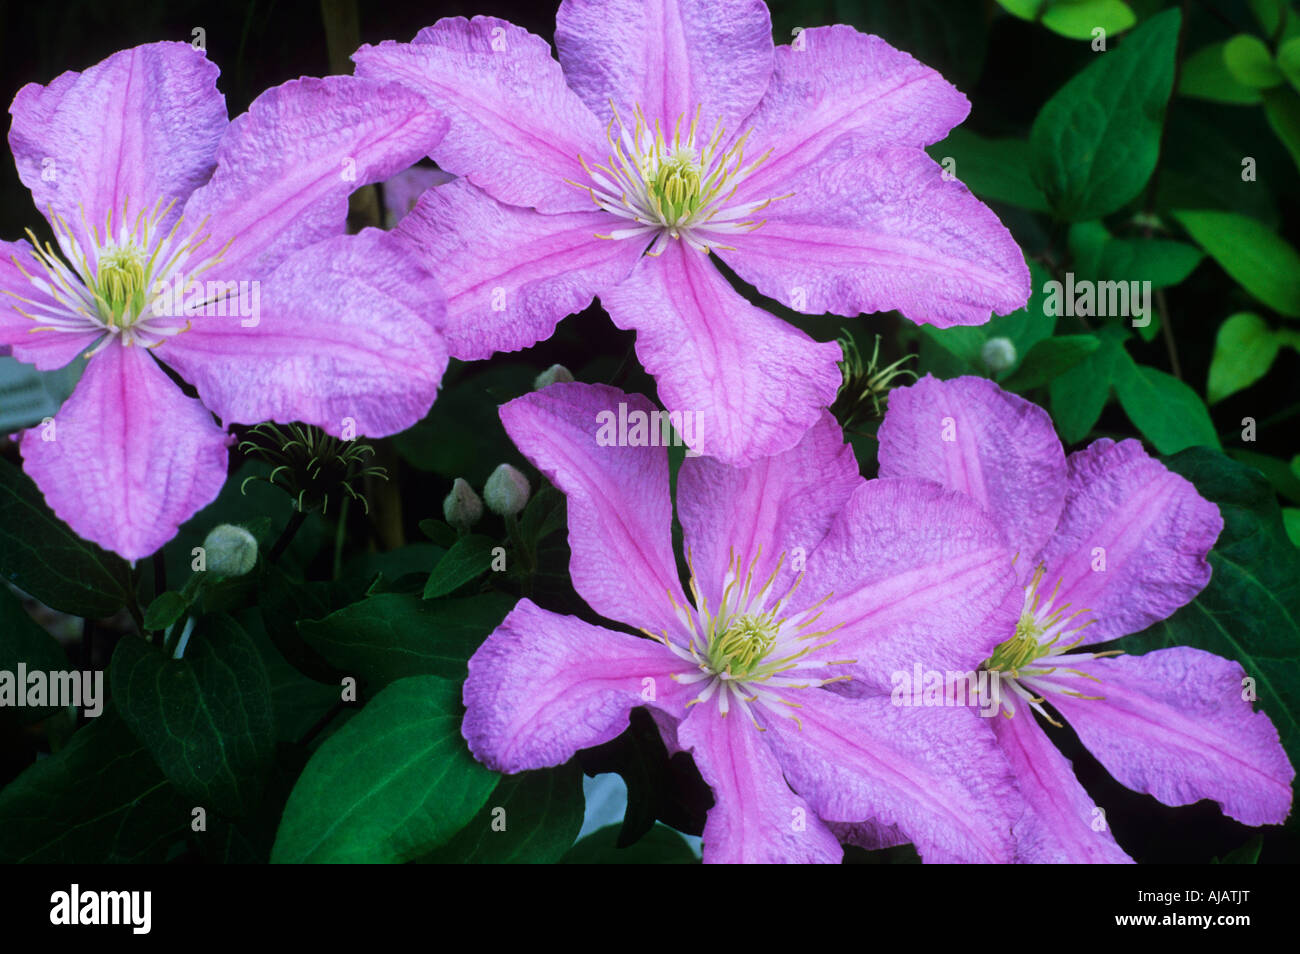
(286, 536)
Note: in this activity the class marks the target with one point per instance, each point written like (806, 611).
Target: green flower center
(120, 284)
(675, 186)
(742, 646)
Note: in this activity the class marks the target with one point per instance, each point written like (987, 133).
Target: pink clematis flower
(803, 575)
(1109, 541)
(673, 128)
(216, 249)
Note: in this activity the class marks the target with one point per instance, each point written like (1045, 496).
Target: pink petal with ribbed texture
(970, 435)
(516, 129)
(1173, 724)
(511, 274)
(346, 339)
(620, 511)
(882, 231)
(286, 167)
(780, 506)
(668, 57)
(1133, 539)
(26, 332)
(841, 82)
(753, 383)
(934, 772)
(755, 818)
(131, 457)
(1061, 824)
(919, 574)
(544, 686)
(141, 125)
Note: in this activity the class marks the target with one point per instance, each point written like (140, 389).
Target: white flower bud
(556, 372)
(462, 508)
(230, 550)
(506, 491)
(998, 354)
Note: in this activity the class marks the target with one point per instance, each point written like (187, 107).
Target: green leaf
(99, 800)
(1048, 359)
(1080, 393)
(1168, 413)
(1250, 611)
(468, 559)
(391, 635)
(994, 169)
(1288, 61)
(1247, 854)
(1025, 9)
(23, 641)
(1078, 18)
(394, 783)
(1282, 107)
(1291, 520)
(532, 818)
(1250, 63)
(165, 610)
(43, 557)
(207, 719)
(1256, 257)
(660, 846)
(1244, 350)
(1095, 143)
(1205, 76)
(439, 532)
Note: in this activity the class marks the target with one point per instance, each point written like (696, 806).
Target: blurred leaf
(1256, 257)
(1247, 854)
(23, 641)
(207, 719)
(1048, 359)
(660, 846)
(1205, 76)
(392, 784)
(1168, 413)
(994, 169)
(1282, 107)
(468, 559)
(1078, 18)
(1244, 350)
(1095, 143)
(1250, 63)
(1288, 61)
(1291, 519)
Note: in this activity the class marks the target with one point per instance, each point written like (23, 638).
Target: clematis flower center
(750, 649)
(677, 187)
(120, 284)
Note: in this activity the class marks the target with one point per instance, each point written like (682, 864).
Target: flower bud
(998, 354)
(506, 491)
(462, 508)
(556, 372)
(230, 550)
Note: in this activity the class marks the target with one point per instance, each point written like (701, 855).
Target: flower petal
(971, 436)
(879, 231)
(25, 332)
(510, 274)
(130, 458)
(919, 575)
(934, 772)
(620, 511)
(1061, 824)
(1133, 538)
(1173, 724)
(834, 81)
(752, 383)
(346, 333)
(781, 505)
(668, 57)
(755, 818)
(141, 125)
(516, 129)
(544, 686)
(286, 167)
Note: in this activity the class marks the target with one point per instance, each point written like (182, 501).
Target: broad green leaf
(99, 800)
(994, 169)
(1078, 18)
(1288, 61)
(1250, 63)
(468, 559)
(23, 641)
(1025, 9)
(1282, 107)
(1095, 143)
(299, 702)
(1205, 76)
(1250, 611)
(1256, 257)
(166, 609)
(394, 783)
(1278, 472)
(1291, 520)
(207, 719)
(1080, 393)
(388, 636)
(660, 846)
(1048, 359)
(41, 555)
(1244, 350)
(1167, 412)
(531, 818)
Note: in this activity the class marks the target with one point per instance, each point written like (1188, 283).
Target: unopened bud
(506, 491)
(462, 508)
(230, 550)
(998, 354)
(556, 372)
